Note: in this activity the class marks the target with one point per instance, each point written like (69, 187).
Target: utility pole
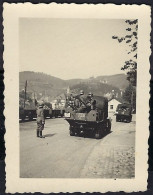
(132, 99)
(25, 93)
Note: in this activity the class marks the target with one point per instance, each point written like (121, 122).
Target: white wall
(112, 105)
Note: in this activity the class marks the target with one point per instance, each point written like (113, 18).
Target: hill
(99, 89)
(46, 85)
(41, 83)
(118, 80)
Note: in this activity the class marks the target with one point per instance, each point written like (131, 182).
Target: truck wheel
(72, 133)
(128, 119)
(108, 126)
(98, 134)
(23, 118)
(117, 119)
(78, 132)
(30, 116)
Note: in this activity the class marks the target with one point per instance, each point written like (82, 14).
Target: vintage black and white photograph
(78, 113)
(77, 94)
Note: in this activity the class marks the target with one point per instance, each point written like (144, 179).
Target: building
(59, 101)
(112, 104)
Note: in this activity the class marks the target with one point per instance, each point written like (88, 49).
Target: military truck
(58, 108)
(93, 120)
(124, 113)
(48, 111)
(27, 111)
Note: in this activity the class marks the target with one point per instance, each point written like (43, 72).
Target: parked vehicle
(92, 121)
(48, 111)
(58, 112)
(28, 106)
(58, 109)
(124, 113)
(28, 111)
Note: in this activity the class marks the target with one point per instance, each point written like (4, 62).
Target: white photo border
(11, 15)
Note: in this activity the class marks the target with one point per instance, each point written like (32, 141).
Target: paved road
(62, 156)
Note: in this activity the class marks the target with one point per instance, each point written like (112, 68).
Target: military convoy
(87, 115)
(27, 107)
(29, 111)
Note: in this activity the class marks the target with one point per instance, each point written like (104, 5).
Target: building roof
(117, 99)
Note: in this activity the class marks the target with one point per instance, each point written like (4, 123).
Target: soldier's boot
(41, 136)
(37, 133)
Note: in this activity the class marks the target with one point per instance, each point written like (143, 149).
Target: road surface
(60, 155)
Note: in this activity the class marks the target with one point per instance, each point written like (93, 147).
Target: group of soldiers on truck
(81, 103)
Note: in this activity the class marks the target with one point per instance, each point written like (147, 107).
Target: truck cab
(124, 113)
(92, 120)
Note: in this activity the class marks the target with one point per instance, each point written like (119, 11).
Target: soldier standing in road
(40, 120)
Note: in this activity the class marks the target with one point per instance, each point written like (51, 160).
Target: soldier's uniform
(91, 103)
(82, 104)
(77, 103)
(40, 120)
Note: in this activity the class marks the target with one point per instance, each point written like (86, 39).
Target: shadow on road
(27, 120)
(50, 135)
(91, 136)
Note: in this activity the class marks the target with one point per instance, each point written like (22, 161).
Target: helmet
(81, 92)
(90, 94)
(41, 104)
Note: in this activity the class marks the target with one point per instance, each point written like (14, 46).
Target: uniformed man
(40, 119)
(81, 92)
(91, 102)
(82, 99)
(77, 103)
(90, 95)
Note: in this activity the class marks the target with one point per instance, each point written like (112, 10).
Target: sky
(71, 48)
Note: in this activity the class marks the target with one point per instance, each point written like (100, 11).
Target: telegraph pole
(34, 96)
(25, 93)
(132, 99)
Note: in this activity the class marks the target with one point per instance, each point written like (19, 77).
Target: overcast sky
(71, 48)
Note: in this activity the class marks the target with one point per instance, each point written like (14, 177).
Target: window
(111, 107)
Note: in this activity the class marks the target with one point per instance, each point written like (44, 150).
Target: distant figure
(40, 119)
(70, 107)
(77, 103)
(82, 99)
(91, 103)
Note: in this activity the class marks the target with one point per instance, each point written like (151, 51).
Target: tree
(131, 40)
(129, 96)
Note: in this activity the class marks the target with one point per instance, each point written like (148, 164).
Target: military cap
(81, 92)
(91, 94)
(41, 104)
